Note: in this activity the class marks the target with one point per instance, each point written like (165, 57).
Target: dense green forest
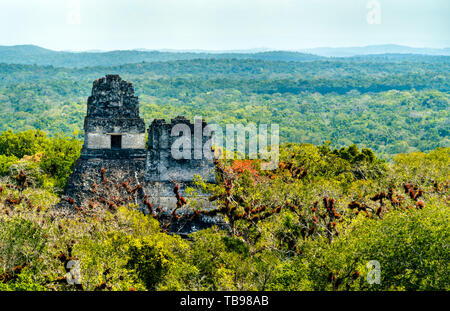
(363, 175)
(314, 223)
(391, 104)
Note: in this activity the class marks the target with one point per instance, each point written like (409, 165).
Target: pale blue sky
(221, 24)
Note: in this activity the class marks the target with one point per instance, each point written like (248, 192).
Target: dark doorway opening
(116, 141)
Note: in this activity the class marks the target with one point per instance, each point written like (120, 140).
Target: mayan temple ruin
(117, 166)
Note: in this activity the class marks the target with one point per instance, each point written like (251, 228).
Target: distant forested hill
(376, 49)
(412, 71)
(390, 103)
(34, 55)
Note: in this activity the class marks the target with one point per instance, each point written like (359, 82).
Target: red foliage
(102, 172)
(378, 211)
(176, 188)
(13, 201)
(355, 275)
(357, 205)
(91, 205)
(379, 197)
(277, 209)
(148, 204)
(240, 166)
(296, 172)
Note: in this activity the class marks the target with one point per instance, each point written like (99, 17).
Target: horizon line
(236, 50)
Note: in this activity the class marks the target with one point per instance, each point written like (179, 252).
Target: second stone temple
(115, 150)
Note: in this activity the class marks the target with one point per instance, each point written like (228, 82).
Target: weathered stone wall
(112, 109)
(97, 141)
(133, 141)
(87, 178)
(112, 98)
(161, 163)
(164, 170)
(103, 141)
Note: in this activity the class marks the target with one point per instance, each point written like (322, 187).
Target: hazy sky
(223, 24)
